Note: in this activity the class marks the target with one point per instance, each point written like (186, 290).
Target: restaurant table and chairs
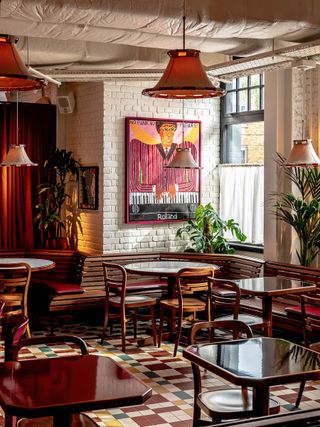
(168, 269)
(122, 306)
(62, 386)
(259, 363)
(268, 287)
(224, 402)
(187, 282)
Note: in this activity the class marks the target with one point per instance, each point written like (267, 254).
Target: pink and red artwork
(155, 193)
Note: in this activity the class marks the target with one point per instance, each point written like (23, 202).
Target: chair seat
(133, 299)
(245, 318)
(188, 304)
(78, 420)
(230, 401)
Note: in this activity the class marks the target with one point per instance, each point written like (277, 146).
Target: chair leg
(135, 315)
(28, 332)
(178, 334)
(160, 326)
(123, 330)
(105, 324)
(154, 328)
(300, 393)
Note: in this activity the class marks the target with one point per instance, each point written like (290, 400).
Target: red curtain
(18, 186)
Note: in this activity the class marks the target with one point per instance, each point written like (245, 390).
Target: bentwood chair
(222, 403)
(310, 313)
(78, 420)
(14, 287)
(125, 307)
(188, 281)
(225, 298)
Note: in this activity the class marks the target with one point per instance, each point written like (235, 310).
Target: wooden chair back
(54, 339)
(13, 329)
(115, 279)
(14, 286)
(225, 294)
(237, 328)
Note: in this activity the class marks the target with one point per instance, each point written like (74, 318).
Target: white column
(278, 113)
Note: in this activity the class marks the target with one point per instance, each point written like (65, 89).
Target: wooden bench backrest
(299, 272)
(231, 266)
(93, 272)
(69, 264)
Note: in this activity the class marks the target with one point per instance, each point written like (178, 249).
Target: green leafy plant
(301, 210)
(62, 168)
(206, 232)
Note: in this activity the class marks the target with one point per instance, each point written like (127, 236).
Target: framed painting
(88, 187)
(155, 193)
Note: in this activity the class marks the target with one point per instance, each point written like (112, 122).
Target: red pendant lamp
(184, 77)
(14, 75)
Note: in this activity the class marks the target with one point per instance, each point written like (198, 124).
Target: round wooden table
(36, 264)
(165, 268)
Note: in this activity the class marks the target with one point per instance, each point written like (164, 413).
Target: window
(242, 154)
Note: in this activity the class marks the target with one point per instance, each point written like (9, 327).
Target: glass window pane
(245, 143)
(243, 82)
(262, 98)
(232, 85)
(231, 104)
(254, 99)
(255, 80)
(242, 100)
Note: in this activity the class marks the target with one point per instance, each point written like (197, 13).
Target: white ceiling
(134, 35)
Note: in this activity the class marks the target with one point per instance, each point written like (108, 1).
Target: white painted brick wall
(121, 99)
(84, 137)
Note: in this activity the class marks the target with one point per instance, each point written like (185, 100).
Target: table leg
(261, 401)
(267, 314)
(62, 420)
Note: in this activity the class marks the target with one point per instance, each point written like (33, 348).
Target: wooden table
(59, 387)
(165, 268)
(36, 264)
(257, 362)
(268, 287)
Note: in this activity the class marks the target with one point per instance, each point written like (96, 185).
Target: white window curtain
(241, 198)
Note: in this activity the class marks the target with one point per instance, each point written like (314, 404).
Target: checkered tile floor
(170, 378)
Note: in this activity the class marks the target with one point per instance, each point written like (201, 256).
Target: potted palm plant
(206, 232)
(62, 169)
(301, 209)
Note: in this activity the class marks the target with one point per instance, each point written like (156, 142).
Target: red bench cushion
(62, 288)
(310, 310)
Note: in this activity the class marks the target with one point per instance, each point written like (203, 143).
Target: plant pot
(57, 243)
(62, 243)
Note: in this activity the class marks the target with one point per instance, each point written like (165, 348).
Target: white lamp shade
(17, 156)
(183, 159)
(303, 154)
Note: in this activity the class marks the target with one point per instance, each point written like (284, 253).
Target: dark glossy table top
(72, 384)
(165, 268)
(257, 361)
(36, 264)
(273, 286)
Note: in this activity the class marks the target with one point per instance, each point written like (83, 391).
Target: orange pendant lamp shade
(303, 154)
(184, 78)
(14, 75)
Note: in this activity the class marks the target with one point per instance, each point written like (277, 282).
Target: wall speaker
(66, 103)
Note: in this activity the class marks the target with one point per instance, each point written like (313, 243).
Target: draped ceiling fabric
(86, 35)
(18, 186)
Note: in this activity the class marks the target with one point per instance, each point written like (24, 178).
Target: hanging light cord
(184, 26)
(17, 118)
(182, 121)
